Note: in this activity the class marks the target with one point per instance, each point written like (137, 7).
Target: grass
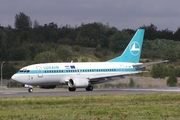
(104, 107)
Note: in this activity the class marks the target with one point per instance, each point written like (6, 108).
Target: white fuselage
(60, 73)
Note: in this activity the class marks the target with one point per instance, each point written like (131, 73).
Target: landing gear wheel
(72, 89)
(89, 88)
(30, 90)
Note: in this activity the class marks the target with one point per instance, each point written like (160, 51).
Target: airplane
(85, 74)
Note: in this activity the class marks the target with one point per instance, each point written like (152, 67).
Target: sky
(122, 14)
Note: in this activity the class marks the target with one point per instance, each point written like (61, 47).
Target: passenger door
(39, 71)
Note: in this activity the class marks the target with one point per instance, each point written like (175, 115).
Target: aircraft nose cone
(14, 77)
(18, 78)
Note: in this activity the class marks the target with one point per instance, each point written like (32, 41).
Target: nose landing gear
(30, 90)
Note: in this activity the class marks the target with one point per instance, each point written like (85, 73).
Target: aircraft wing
(140, 65)
(113, 75)
(108, 78)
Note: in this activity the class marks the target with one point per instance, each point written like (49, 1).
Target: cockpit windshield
(24, 70)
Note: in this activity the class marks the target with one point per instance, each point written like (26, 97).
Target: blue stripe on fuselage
(81, 70)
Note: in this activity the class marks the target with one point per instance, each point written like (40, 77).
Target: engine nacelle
(47, 86)
(78, 83)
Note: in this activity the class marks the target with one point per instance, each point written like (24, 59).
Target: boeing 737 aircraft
(84, 74)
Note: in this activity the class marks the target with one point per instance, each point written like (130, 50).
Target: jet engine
(78, 82)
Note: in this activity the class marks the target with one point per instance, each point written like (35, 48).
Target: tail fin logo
(135, 48)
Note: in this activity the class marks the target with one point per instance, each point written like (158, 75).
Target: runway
(6, 93)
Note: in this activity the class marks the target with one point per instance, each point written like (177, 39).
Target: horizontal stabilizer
(141, 65)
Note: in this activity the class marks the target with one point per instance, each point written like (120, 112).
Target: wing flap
(113, 75)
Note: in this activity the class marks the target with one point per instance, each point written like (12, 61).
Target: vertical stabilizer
(132, 52)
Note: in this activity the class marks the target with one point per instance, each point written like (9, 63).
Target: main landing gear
(89, 88)
(72, 89)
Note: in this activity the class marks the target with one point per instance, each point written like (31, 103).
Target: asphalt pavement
(8, 93)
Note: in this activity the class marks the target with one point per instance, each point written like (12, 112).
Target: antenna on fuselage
(71, 61)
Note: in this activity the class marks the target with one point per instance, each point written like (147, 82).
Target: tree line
(34, 43)
(27, 40)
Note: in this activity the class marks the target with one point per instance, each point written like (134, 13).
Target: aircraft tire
(89, 88)
(72, 89)
(30, 90)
